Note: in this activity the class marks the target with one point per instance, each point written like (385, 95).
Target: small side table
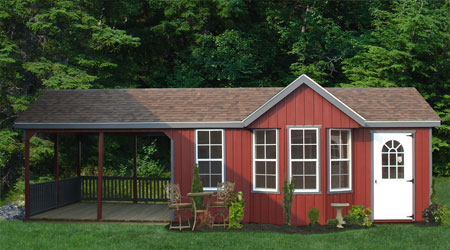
(204, 212)
(339, 207)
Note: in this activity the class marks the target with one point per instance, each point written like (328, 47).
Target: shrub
(332, 222)
(436, 214)
(288, 197)
(358, 216)
(313, 216)
(197, 187)
(236, 204)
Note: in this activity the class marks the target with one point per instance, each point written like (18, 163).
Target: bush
(236, 204)
(358, 216)
(436, 214)
(288, 197)
(332, 222)
(197, 187)
(313, 216)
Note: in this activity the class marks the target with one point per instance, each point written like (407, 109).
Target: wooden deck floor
(120, 212)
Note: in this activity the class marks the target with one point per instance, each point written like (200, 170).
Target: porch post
(100, 176)
(79, 156)
(56, 167)
(27, 176)
(134, 171)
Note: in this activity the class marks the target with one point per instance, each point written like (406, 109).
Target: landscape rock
(12, 212)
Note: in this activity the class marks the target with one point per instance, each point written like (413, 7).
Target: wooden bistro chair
(223, 188)
(175, 203)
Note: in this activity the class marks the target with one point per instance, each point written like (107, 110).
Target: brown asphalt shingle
(209, 105)
(386, 104)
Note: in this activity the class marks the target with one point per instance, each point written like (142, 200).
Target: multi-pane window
(265, 160)
(304, 155)
(210, 156)
(340, 159)
(393, 160)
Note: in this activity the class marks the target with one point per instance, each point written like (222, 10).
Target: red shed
(368, 146)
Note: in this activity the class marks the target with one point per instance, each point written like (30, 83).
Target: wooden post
(135, 171)
(56, 167)
(27, 176)
(79, 156)
(100, 176)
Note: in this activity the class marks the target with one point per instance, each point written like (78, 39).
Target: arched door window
(393, 160)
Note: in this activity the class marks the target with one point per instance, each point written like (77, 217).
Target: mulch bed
(253, 227)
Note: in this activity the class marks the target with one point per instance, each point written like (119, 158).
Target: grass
(19, 235)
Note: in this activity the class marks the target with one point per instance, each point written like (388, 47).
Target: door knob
(376, 182)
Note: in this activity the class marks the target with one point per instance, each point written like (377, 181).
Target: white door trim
(413, 155)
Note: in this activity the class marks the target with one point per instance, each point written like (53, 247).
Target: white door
(393, 182)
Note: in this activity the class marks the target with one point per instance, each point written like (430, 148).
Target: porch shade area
(87, 198)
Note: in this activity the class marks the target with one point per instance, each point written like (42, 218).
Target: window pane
(334, 136)
(389, 144)
(396, 143)
(216, 152)
(310, 137)
(260, 167)
(393, 173)
(205, 180)
(344, 152)
(297, 136)
(298, 182)
(203, 137)
(216, 137)
(271, 182)
(335, 167)
(392, 159)
(344, 137)
(335, 181)
(310, 168)
(384, 159)
(203, 167)
(310, 152)
(203, 152)
(344, 167)
(400, 159)
(216, 167)
(297, 168)
(385, 173)
(400, 149)
(260, 181)
(401, 173)
(310, 182)
(271, 137)
(297, 152)
(215, 179)
(385, 149)
(259, 134)
(334, 152)
(270, 167)
(344, 181)
(260, 152)
(271, 152)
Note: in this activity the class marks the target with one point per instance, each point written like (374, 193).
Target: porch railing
(121, 188)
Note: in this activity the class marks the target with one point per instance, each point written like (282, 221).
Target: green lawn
(19, 235)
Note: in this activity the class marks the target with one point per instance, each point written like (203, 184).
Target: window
(393, 160)
(304, 158)
(210, 157)
(340, 172)
(265, 160)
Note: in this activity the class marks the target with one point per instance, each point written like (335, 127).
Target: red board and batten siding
(302, 107)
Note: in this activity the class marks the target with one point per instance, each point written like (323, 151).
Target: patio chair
(223, 188)
(176, 204)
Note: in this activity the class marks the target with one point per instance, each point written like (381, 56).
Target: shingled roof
(212, 107)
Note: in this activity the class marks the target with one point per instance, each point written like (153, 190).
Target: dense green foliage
(55, 44)
(332, 222)
(288, 197)
(197, 187)
(358, 216)
(436, 214)
(236, 205)
(313, 215)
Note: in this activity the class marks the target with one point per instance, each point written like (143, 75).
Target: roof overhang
(130, 125)
(402, 124)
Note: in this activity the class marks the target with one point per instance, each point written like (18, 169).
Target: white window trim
(350, 165)
(317, 129)
(277, 163)
(210, 159)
